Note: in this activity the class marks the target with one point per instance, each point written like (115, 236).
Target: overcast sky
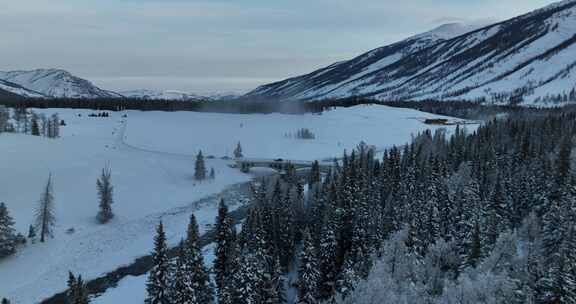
(216, 45)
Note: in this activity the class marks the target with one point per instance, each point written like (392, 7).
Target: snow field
(151, 155)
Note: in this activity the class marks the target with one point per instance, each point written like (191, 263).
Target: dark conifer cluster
(495, 209)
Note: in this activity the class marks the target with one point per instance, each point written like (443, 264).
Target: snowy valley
(439, 169)
(152, 148)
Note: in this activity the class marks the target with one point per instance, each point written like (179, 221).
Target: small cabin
(436, 121)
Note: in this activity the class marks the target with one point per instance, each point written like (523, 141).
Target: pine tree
(308, 275)
(285, 232)
(45, 219)
(5, 301)
(8, 236)
(212, 175)
(475, 252)
(314, 176)
(328, 267)
(224, 251)
(563, 162)
(247, 280)
(35, 127)
(105, 195)
(158, 284)
(198, 274)
(200, 168)
(273, 286)
(181, 289)
(238, 151)
(497, 214)
(31, 232)
(560, 280)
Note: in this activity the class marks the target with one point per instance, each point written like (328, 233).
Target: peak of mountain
(529, 59)
(449, 30)
(56, 83)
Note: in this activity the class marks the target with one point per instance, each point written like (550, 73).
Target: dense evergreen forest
(482, 217)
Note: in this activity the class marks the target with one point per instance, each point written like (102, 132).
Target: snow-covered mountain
(9, 89)
(528, 59)
(56, 83)
(174, 95)
(160, 94)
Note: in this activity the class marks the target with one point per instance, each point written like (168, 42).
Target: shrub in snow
(305, 133)
(105, 190)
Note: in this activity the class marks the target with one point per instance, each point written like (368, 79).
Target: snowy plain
(152, 167)
(271, 135)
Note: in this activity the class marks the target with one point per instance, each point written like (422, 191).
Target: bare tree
(45, 219)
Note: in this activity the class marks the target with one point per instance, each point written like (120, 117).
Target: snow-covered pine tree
(238, 151)
(497, 215)
(279, 284)
(200, 167)
(105, 196)
(286, 228)
(224, 251)
(212, 175)
(158, 284)
(181, 289)
(247, 280)
(8, 236)
(560, 280)
(475, 252)
(308, 275)
(198, 274)
(272, 291)
(328, 268)
(45, 219)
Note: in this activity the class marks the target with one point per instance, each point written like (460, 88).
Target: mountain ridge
(515, 54)
(56, 83)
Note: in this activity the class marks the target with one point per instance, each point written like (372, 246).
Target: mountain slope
(323, 81)
(528, 59)
(56, 83)
(12, 90)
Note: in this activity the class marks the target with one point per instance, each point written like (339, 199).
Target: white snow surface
(148, 187)
(152, 175)
(265, 135)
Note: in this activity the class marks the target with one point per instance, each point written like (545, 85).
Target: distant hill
(56, 83)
